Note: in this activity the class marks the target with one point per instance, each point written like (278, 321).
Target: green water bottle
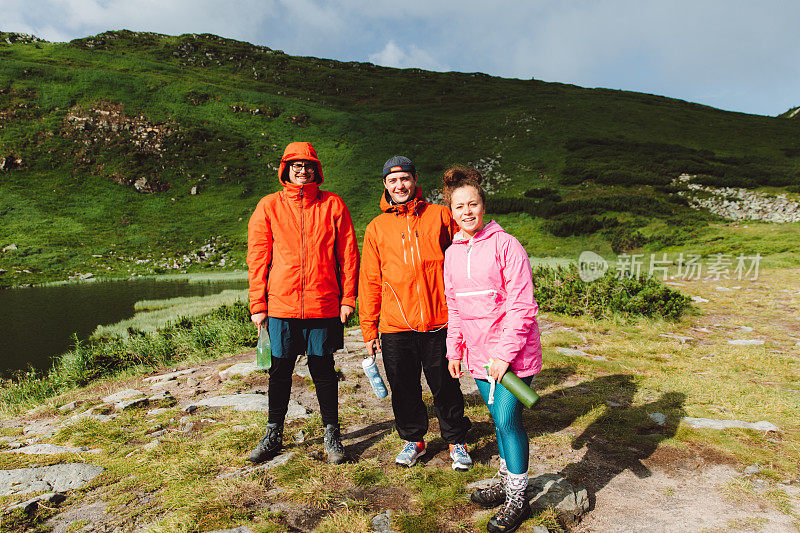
(517, 387)
(263, 352)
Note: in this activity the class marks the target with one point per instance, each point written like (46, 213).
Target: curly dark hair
(459, 176)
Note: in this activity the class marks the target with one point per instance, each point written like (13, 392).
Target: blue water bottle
(374, 375)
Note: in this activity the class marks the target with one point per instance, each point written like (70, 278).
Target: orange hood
(300, 150)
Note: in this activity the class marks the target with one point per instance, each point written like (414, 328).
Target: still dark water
(37, 323)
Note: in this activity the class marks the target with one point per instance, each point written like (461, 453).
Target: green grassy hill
(102, 140)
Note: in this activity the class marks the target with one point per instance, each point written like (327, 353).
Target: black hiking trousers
(407, 353)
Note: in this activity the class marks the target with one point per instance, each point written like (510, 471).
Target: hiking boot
(333, 444)
(515, 511)
(410, 453)
(491, 496)
(461, 459)
(270, 444)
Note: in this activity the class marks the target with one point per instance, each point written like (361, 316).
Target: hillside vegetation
(104, 139)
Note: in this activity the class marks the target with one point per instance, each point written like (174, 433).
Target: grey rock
(723, 289)
(169, 377)
(240, 529)
(239, 369)
(10, 247)
(746, 342)
(89, 413)
(163, 398)
(711, 423)
(752, 469)
(570, 352)
(551, 490)
(130, 404)
(250, 402)
(192, 382)
(269, 465)
(54, 478)
(187, 427)
(681, 338)
(150, 446)
(43, 428)
(45, 449)
(53, 498)
(126, 394)
(159, 433)
(157, 411)
(745, 329)
(658, 418)
(163, 385)
(540, 529)
(67, 407)
(190, 409)
(382, 523)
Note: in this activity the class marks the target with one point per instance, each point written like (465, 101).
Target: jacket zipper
(469, 254)
(476, 293)
(419, 292)
(302, 259)
(403, 242)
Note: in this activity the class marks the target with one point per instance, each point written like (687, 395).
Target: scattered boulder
(163, 399)
(45, 449)
(240, 529)
(570, 352)
(57, 478)
(130, 404)
(42, 428)
(710, 423)
(699, 300)
(551, 491)
(30, 506)
(11, 247)
(249, 402)
(126, 394)
(658, 418)
(746, 342)
(382, 523)
(280, 460)
(169, 377)
(71, 406)
(751, 470)
(239, 369)
(680, 338)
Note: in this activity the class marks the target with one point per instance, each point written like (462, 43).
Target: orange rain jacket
(302, 254)
(401, 284)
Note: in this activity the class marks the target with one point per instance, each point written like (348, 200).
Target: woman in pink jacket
(492, 317)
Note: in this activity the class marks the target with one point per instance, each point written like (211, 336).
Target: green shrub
(561, 290)
(625, 238)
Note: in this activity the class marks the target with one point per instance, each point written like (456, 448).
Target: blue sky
(732, 54)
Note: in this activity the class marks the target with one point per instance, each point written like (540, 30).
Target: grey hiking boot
(333, 444)
(493, 495)
(270, 444)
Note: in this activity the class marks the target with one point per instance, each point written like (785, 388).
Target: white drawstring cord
(400, 306)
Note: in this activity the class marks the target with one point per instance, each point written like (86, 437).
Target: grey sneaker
(333, 445)
(270, 444)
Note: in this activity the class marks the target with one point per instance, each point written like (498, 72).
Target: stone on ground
(240, 529)
(658, 418)
(169, 377)
(239, 369)
(126, 394)
(29, 506)
(54, 478)
(269, 465)
(746, 342)
(130, 404)
(42, 449)
(551, 490)
(711, 423)
(570, 352)
(382, 523)
(248, 402)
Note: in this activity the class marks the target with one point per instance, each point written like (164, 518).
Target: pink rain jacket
(488, 285)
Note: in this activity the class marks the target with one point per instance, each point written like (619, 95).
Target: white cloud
(394, 56)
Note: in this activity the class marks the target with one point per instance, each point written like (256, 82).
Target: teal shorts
(290, 337)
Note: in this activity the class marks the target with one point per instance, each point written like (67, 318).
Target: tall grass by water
(221, 331)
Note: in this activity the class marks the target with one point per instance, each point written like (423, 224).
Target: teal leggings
(512, 441)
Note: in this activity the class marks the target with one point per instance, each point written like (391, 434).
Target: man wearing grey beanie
(402, 310)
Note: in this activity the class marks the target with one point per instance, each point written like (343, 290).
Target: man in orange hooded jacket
(303, 270)
(401, 296)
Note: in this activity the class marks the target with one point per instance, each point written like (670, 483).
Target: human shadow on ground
(623, 437)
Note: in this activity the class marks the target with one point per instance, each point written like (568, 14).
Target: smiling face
(468, 209)
(401, 186)
(302, 171)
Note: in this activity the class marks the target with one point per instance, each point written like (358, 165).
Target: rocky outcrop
(739, 204)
